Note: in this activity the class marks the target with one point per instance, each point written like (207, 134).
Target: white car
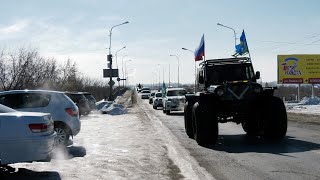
(25, 136)
(157, 100)
(174, 100)
(63, 110)
(145, 94)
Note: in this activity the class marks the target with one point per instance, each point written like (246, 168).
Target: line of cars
(172, 100)
(33, 122)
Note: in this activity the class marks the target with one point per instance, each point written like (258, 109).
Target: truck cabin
(217, 72)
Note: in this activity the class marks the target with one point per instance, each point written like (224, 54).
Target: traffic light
(109, 57)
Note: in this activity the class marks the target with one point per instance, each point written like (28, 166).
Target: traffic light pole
(110, 84)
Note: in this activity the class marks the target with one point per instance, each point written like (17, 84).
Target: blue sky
(79, 29)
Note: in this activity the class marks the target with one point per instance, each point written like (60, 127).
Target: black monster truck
(228, 92)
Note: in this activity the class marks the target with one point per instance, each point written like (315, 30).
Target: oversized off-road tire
(188, 120)
(252, 122)
(205, 125)
(274, 118)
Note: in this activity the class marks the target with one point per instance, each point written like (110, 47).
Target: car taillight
(37, 128)
(71, 111)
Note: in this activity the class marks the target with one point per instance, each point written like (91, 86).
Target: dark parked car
(81, 101)
(91, 100)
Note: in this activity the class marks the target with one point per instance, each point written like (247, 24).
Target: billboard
(299, 69)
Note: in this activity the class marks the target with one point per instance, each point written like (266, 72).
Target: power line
(285, 44)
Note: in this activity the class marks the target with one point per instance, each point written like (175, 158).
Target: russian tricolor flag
(199, 53)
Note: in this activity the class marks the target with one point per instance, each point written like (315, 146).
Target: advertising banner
(299, 69)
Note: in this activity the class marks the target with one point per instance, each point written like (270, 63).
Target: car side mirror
(258, 75)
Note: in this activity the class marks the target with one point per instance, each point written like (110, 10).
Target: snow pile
(310, 101)
(307, 105)
(113, 109)
(102, 103)
(125, 99)
(116, 107)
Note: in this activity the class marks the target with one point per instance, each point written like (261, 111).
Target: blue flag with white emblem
(163, 90)
(242, 48)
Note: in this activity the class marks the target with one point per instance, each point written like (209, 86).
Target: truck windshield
(229, 72)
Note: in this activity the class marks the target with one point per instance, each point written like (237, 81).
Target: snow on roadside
(310, 101)
(189, 167)
(307, 105)
(116, 107)
(128, 146)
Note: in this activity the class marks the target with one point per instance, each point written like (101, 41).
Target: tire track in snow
(181, 157)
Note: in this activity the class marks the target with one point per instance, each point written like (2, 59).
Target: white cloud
(14, 28)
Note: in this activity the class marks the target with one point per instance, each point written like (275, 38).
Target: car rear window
(177, 93)
(159, 95)
(5, 109)
(89, 97)
(25, 100)
(76, 97)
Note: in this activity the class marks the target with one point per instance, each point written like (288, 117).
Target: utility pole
(169, 75)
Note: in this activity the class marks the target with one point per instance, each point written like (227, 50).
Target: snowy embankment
(131, 145)
(118, 106)
(307, 105)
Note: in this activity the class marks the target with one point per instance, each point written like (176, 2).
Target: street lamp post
(178, 66)
(117, 55)
(234, 32)
(169, 75)
(123, 71)
(125, 68)
(110, 60)
(187, 50)
(195, 70)
(159, 75)
(111, 33)
(117, 62)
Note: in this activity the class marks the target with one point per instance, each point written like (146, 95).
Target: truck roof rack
(227, 61)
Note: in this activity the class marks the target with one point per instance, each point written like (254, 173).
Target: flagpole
(204, 60)
(247, 47)
(195, 76)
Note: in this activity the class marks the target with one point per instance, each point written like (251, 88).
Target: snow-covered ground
(306, 106)
(130, 145)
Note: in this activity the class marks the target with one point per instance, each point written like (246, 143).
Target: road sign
(106, 73)
(111, 83)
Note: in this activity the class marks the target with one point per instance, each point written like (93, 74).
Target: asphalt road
(237, 156)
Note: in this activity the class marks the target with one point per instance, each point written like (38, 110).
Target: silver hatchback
(63, 110)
